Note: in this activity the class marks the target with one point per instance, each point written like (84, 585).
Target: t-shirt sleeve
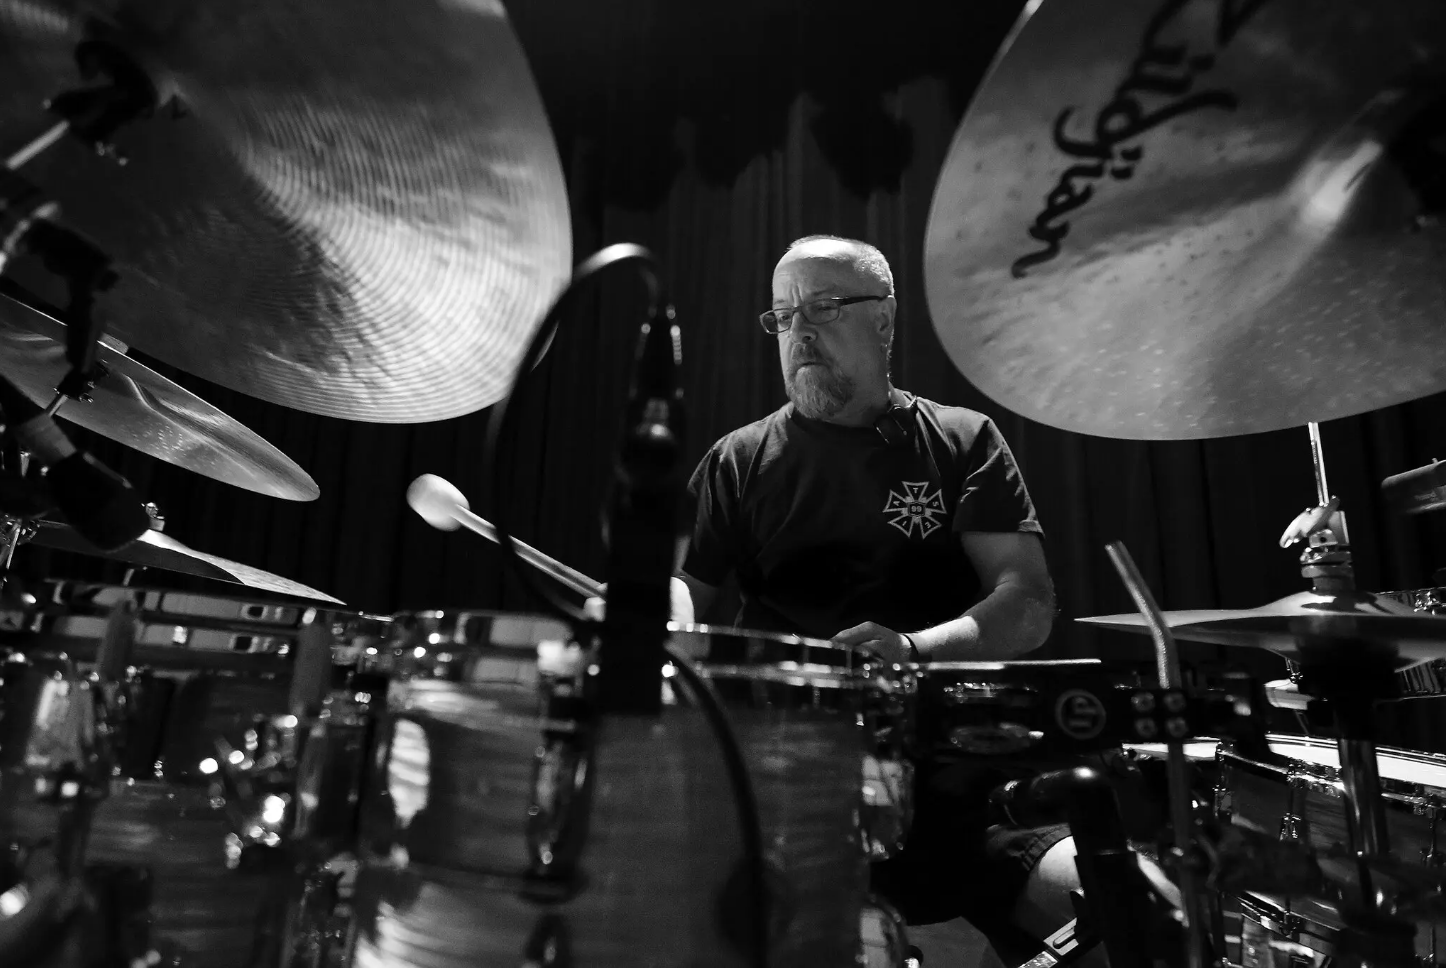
(713, 553)
(993, 498)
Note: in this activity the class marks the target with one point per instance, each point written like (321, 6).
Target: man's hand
(888, 644)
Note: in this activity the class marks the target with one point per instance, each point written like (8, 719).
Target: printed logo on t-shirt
(915, 509)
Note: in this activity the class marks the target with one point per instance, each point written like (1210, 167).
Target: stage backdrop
(714, 136)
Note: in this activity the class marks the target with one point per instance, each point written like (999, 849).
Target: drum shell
(660, 873)
(204, 668)
(1296, 798)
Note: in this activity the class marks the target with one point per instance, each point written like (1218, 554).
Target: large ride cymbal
(139, 408)
(359, 210)
(1168, 220)
(156, 550)
(1308, 627)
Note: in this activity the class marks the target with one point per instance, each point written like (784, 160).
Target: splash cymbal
(356, 208)
(1308, 626)
(156, 550)
(139, 408)
(1189, 220)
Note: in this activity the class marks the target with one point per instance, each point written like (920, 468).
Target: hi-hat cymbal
(139, 408)
(1188, 220)
(1308, 626)
(359, 210)
(156, 550)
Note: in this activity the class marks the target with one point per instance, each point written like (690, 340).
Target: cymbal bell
(1308, 626)
(156, 550)
(1197, 220)
(139, 408)
(349, 208)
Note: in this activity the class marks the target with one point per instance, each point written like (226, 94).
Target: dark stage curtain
(715, 135)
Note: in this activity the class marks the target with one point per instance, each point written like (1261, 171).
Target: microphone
(117, 642)
(645, 522)
(99, 504)
(1418, 490)
(310, 668)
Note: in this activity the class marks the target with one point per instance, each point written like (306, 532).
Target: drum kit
(1227, 222)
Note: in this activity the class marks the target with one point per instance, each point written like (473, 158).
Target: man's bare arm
(1013, 618)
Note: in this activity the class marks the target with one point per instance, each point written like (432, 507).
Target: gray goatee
(818, 392)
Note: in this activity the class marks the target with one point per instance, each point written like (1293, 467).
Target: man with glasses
(863, 514)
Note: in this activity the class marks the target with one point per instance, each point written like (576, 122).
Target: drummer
(864, 514)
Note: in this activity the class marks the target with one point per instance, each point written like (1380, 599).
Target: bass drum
(508, 827)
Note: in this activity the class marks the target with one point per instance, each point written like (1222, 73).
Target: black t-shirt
(828, 526)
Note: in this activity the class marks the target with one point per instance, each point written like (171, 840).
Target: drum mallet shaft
(444, 507)
(1167, 666)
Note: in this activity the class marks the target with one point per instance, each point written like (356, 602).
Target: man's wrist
(914, 656)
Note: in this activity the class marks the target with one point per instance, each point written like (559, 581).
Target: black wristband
(913, 650)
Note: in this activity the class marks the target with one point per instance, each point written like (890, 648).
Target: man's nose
(802, 329)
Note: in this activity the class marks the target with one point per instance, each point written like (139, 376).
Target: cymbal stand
(1352, 692)
(1167, 665)
(28, 215)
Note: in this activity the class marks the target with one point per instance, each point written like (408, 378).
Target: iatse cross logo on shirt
(915, 509)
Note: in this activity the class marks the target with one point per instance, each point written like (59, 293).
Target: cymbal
(155, 550)
(358, 209)
(1308, 626)
(1145, 231)
(139, 408)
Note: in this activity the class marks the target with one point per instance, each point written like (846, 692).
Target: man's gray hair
(866, 257)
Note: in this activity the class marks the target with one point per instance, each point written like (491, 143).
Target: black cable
(501, 436)
(750, 822)
(502, 427)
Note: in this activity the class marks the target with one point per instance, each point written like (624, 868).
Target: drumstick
(444, 507)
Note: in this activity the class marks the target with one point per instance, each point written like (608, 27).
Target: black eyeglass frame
(839, 302)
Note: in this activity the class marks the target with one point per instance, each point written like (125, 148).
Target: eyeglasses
(814, 311)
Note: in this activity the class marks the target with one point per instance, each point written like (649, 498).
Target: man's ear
(886, 316)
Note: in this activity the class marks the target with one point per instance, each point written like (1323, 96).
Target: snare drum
(205, 669)
(503, 830)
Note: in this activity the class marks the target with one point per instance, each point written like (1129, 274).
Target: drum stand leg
(1382, 940)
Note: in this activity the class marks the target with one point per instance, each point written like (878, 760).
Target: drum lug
(1294, 826)
(550, 944)
(886, 813)
(1224, 803)
(883, 941)
(561, 783)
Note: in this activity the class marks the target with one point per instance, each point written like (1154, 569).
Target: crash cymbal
(357, 209)
(155, 550)
(1188, 220)
(139, 408)
(1307, 626)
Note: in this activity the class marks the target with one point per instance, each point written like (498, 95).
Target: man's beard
(818, 392)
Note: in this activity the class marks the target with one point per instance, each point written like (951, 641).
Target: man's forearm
(1011, 620)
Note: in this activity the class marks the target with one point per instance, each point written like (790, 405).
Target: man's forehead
(813, 274)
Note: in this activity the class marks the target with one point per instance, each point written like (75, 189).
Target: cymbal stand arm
(1167, 665)
(94, 113)
(1317, 457)
(37, 146)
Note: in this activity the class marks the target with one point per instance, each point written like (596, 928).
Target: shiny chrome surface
(1191, 219)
